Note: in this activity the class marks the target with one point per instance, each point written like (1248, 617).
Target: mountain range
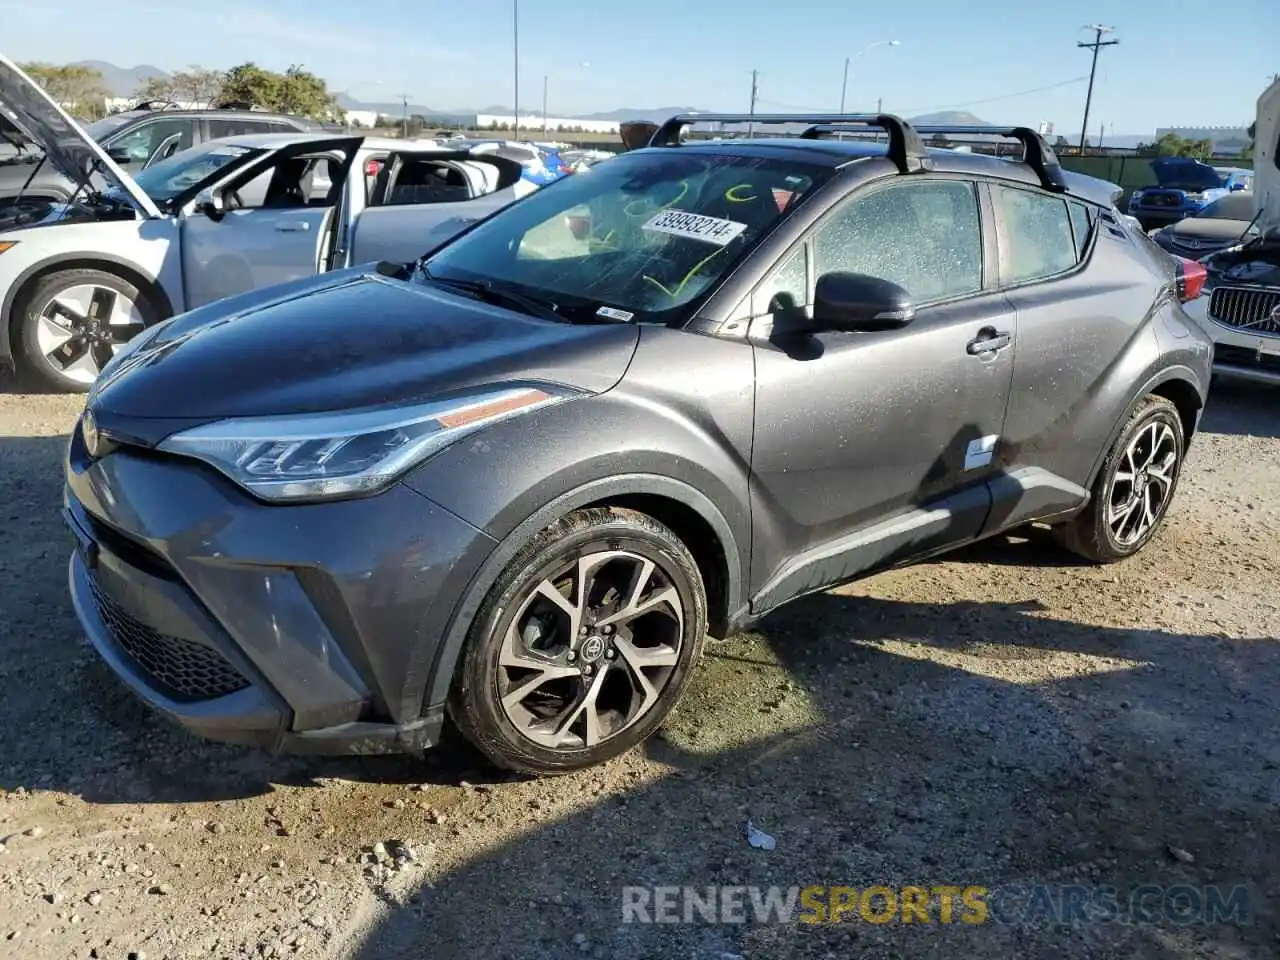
(124, 81)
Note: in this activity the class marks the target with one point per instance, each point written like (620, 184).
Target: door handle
(298, 226)
(988, 340)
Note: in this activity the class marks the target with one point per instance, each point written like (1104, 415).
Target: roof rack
(906, 149)
(157, 105)
(1037, 154)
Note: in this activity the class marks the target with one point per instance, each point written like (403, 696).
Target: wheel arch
(1181, 387)
(85, 260)
(691, 515)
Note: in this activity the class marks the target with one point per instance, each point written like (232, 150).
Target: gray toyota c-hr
(518, 481)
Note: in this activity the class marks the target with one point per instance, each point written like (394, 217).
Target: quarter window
(1082, 220)
(926, 237)
(1038, 238)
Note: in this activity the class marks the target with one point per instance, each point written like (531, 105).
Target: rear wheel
(1135, 487)
(583, 645)
(72, 322)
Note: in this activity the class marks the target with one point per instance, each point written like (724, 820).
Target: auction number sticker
(678, 223)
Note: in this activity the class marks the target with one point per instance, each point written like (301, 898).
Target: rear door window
(1037, 241)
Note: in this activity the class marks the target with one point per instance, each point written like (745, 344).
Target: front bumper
(1238, 353)
(307, 628)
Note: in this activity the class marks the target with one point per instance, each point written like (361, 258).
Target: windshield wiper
(488, 291)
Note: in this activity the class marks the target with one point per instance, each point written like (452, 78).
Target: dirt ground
(999, 718)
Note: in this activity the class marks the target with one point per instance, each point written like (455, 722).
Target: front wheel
(72, 322)
(1134, 488)
(583, 645)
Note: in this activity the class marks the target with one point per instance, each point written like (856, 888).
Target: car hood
(1208, 228)
(75, 154)
(1266, 159)
(352, 339)
(1185, 174)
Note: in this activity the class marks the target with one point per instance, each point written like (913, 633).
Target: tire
(549, 730)
(1105, 539)
(70, 322)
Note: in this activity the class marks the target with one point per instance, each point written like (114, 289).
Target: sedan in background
(1223, 223)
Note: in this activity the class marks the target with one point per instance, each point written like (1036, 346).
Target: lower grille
(1161, 200)
(181, 669)
(1250, 308)
(1243, 357)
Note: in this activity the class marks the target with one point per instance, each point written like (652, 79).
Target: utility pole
(515, 48)
(755, 77)
(404, 104)
(544, 105)
(844, 84)
(1097, 44)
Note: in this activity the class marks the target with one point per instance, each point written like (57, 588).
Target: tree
(250, 83)
(1062, 143)
(939, 140)
(305, 94)
(80, 90)
(194, 85)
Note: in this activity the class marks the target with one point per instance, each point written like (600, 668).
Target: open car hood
(1266, 154)
(75, 154)
(1183, 173)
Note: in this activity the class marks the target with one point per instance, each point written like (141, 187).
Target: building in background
(533, 122)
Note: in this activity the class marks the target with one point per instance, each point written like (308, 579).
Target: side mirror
(119, 155)
(856, 302)
(209, 203)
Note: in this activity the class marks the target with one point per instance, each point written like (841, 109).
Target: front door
(871, 448)
(277, 226)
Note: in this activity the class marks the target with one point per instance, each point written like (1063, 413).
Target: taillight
(372, 168)
(1191, 278)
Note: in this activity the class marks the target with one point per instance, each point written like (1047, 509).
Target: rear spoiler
(1037, 154)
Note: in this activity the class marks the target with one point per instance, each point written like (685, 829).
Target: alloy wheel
(590, 649)
(80, 329)
(1142, 485)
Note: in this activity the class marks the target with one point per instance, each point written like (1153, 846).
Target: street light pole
(515, 47)
(844, 84)
(545, 79)
(1097, 44)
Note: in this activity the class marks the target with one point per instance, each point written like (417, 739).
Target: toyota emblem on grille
(89, 431)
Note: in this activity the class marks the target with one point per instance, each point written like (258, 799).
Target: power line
(946, 106)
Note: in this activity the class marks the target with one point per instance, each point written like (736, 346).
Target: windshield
(166, 180)
(636, 238)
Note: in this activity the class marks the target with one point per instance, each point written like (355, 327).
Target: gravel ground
(996, 718)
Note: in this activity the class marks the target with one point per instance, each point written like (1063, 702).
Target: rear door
(1082, 306)
(278, 224)
(420, 199)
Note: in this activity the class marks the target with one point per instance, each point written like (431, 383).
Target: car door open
(420, 199)
(272, 223)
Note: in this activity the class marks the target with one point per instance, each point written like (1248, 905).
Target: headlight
(1195, 197)
(326, 455)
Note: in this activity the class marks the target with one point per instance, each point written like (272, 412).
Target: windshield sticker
(613, 313)
(695, 226)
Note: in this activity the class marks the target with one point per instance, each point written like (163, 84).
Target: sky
(1178, 63)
